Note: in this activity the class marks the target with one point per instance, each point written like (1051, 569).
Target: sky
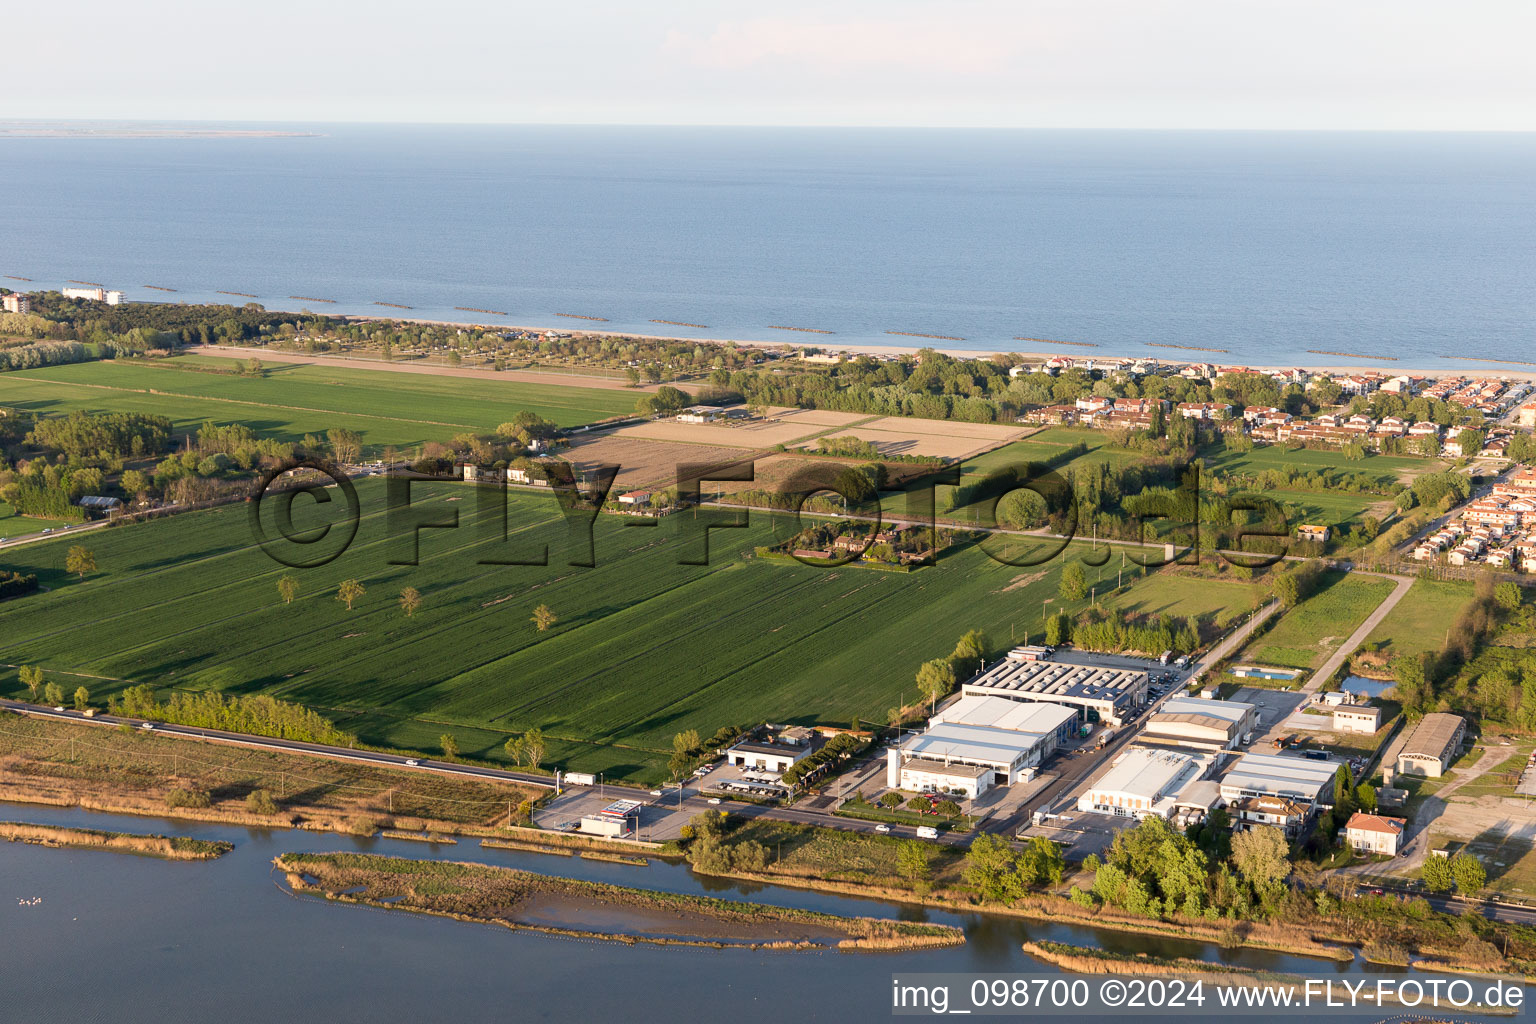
(1094, 64)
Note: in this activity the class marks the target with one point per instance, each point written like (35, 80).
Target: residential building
(18, 303)
(1374, 833)
(1290, 816)
(111, 298)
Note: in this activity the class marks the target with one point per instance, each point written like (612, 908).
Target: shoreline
(323, 358)
(522, 900)
(1073, 349)
(1513, 369)
(144, 844)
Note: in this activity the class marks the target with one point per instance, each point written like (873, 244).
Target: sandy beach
(1177, 357)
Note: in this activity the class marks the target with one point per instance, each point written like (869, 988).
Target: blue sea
(1416, 246)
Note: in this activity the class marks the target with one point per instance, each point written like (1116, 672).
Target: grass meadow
(1419, 622)
(1306, 635)
(292, 399)
(13, 525)
(643, 648)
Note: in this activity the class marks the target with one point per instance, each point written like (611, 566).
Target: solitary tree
(1437, 874)
(914, 863)
(32, 679)
(534, 747)
(350, 592)
(934, 679)
(543, 617)
(1260, 855)
(410, 600)
(80, 560)
(1469, 873)
(346, 445)
(82, 698)
(1074, 583)
(514, 748)
(288, 588)
(450, 746)
(53, 694)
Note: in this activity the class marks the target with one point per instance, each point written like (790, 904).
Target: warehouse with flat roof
(1015, 716)
(1143, 781)
(1097, 693)
(1294, 778)
(1432, 745)
(975, 745)
(1201, 724)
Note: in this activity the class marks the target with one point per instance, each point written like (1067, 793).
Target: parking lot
(1275, 709)
(661, 818)
(740, 780)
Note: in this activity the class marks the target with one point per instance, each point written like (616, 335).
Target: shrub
(260, 802)
(187, 797)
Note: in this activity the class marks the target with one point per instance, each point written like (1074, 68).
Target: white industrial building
(1301, 779)
(1109, 695)
(1200, 724)
(977, 743)
(773, 752)
(1145, 781)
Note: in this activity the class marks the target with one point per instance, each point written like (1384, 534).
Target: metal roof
(1037, 717)
(950, 741)
(1432, 736)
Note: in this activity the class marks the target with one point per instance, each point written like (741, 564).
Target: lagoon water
(1421, 247)
(126, 938)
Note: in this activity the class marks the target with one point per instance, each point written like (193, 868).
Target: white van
(927, 832)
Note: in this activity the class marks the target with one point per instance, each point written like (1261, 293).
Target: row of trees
(1117, 631)
(53, 353)
(106, 437)
(258, 715)
(39, 688)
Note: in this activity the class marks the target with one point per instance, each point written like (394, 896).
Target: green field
(1418, 623)
(1165, 593)
(291, 400)
(13, 525)
(644, 647)
(1386, 468)
(1306, 635)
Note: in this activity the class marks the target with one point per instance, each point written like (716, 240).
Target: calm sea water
(1266, 244)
